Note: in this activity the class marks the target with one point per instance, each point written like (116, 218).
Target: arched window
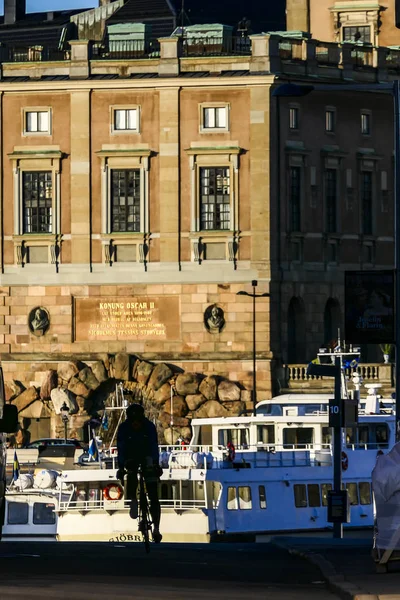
(332, 320)
(296, 331)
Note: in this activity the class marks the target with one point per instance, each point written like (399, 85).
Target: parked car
(44, 442)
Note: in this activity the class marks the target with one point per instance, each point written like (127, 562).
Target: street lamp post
(254, 296)
(64, 410)
(290, 90)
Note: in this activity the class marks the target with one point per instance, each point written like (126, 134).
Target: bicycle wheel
(144, 516)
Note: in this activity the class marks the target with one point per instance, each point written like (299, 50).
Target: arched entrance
(332, 320)
(296, 338)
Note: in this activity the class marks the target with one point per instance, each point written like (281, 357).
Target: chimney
(14, 10)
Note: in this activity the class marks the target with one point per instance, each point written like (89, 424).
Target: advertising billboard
(369, 307)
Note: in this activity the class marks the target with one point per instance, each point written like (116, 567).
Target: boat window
(232, 503)
(43, 514)
(350, 436)
(262, 496)
(352, 492)
(313, 495)
(266, 434)
(298, 436)
(363, 435)
(382, 435)
(18, 513)
(166, 491)
(325, 488)
(205, 435)
(364, 489)
(300, 497)
(327, 435)
(274, 410)
(245, 498)
(238, 437)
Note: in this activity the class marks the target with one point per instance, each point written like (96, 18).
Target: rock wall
(167, 393)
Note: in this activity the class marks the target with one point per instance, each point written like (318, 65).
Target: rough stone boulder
(99, 371)
(209, 387)
(49, 383)
(26, 398)
(165, 420)
(160, 375)
(143, 371)
(84, 405)
(36, 410)
(228, 391)
(179, 406)
(187, 383)
(235, 408)
(162, 394)
(211, 409)
(13, 389)
(195, 400)
(89, 378)
(78, 388)
(121, 366)
(67, 370)
(171, 436)
(59, 396)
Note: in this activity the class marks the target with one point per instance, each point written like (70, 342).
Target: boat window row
(239, 498)
(43, 513)
(376, 435)
(315, 495)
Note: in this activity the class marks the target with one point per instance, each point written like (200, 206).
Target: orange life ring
(112, 491)
(231, 451)
(345, 461)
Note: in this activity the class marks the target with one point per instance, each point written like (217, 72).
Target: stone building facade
(354, 20)
(139, 193)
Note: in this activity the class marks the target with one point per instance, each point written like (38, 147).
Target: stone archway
(332, 320)
(296, 339)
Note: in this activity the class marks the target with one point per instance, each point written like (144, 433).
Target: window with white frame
(126, 119)
(125, 200)
(37, 201)
(37, 121)
(215, 199)
(215, 117)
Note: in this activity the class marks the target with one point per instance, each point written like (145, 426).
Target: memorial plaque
(127, 318)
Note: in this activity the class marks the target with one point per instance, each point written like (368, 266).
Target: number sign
(336, 413)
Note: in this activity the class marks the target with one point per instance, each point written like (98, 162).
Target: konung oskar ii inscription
(127, 318)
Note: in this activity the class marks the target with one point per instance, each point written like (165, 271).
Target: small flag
(15, 474)
(93, 449)
(104, 422)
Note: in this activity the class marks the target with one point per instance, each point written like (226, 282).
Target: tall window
(125, 200)
(330, 121)
(366, 202)
(215, 210)
(330, 199)
(365, 123)
(293, 117)
(37, 201)
(357, 34)
(295, 198)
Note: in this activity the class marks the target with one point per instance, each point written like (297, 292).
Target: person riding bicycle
(137, 444)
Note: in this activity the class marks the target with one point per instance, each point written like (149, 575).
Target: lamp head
(64, 410)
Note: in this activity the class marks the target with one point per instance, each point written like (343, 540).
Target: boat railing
(113, 505)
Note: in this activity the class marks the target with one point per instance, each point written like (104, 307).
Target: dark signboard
(369, 307)
(338, 507)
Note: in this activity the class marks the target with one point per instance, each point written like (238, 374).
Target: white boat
(277, 479)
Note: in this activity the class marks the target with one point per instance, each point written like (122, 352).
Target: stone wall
(87, 388)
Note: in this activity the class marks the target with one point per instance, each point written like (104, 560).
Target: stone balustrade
(296, 378)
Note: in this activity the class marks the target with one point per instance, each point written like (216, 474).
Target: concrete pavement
(86, 571)
(347, 566)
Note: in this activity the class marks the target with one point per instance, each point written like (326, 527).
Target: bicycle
(144, 513)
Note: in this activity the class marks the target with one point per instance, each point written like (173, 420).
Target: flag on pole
(104, 422)
(93, 449)
(15, 474)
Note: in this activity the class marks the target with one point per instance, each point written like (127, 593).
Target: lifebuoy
(112, 491)
(231, 451)
(345, 461)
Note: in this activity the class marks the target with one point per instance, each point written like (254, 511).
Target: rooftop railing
(216, 46)
(18, 54)
(126, 50)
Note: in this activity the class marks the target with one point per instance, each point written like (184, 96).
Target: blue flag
(93, 449)
(104, 422)
(15, 474)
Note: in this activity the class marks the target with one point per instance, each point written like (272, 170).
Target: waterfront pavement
(346, 565)
(85, 571)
